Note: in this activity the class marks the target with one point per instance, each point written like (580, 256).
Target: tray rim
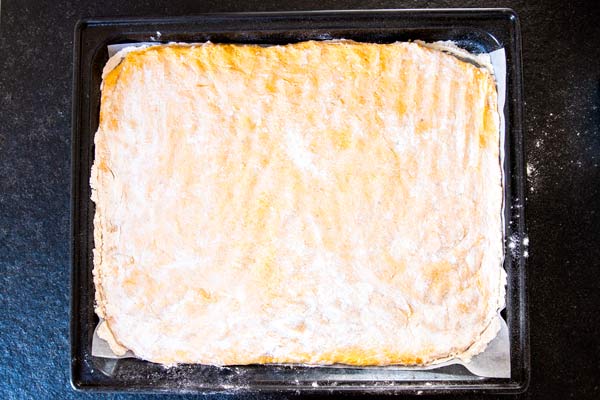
(513, 111)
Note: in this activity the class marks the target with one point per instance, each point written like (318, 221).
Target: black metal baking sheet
(476, 30)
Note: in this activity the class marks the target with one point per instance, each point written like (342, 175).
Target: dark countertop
(561, 53)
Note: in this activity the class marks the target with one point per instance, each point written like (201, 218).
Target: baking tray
(476, 30)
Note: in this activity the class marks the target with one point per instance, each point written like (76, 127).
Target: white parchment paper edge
(495, 360)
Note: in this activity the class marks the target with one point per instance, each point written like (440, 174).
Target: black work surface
(561, 53)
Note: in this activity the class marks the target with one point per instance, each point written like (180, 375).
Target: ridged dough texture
(315, 203)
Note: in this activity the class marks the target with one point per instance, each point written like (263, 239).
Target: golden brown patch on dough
(441, 277)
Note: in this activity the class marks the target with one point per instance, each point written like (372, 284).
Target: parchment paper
(495, 360)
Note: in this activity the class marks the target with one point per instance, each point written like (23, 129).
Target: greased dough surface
(321, 202)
